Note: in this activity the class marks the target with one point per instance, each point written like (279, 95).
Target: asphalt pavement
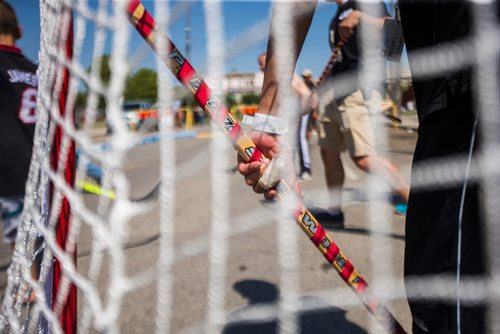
(253, 278)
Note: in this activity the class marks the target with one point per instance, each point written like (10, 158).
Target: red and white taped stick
(333, 59)
(180, 67)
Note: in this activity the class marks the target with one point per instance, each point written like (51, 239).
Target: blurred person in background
(345, 124)
(314, 114)
(308, 103)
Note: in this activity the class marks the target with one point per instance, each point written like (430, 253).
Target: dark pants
(303, 144)
(432, 223)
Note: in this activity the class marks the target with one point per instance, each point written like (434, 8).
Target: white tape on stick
(273, 172)
(266, 123)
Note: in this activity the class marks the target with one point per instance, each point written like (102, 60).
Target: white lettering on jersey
(23, 76)
(27, 111)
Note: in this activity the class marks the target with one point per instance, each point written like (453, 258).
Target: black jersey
(350, 53)
(430, 23)
(18, 92)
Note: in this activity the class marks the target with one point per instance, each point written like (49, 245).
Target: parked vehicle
(139, 116)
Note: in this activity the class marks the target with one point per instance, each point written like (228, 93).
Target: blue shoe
(400, 207)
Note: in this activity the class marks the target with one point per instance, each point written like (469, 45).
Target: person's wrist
(357, 15)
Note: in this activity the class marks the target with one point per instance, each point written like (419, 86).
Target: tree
(105, 73)
(230, 100)
(142, 85)
(188, 101)
(250, 99)
(81, 99)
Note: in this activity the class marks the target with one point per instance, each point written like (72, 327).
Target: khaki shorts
(347, 125)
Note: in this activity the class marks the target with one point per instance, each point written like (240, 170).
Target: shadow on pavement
(363, 231)
(261, 313)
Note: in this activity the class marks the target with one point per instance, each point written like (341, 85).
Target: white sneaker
(305, 176)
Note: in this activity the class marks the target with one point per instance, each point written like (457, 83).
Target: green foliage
(188, 101)
(142, 85)
(230, 100)
(250, 99)
(105, 69)
(81, 99)
(105, 76)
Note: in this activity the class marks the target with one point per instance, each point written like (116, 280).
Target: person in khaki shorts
(345, 125)
(356, 135)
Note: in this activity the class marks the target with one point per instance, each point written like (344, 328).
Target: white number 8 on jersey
(27, 112)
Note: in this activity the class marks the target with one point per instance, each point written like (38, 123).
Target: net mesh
(161, 248)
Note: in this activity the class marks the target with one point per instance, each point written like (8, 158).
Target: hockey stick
(147, 200)
(185, 73)
(333, 59)
(392, 118)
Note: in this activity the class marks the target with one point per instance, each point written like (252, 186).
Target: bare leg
(334, 175)
(389, 170)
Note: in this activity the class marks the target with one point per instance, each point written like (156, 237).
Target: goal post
(108, 257)
(63, 158)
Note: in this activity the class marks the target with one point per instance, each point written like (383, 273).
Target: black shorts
(432, 221)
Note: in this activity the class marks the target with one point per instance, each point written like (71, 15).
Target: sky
(238, 17)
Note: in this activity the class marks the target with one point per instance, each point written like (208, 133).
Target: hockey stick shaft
(333, 59)
(184, 72)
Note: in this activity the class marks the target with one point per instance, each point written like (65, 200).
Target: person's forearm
(302, 20)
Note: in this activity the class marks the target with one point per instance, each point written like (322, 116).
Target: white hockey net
(160, 248)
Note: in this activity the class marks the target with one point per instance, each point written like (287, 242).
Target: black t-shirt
(429, 23)
(18, 92)
(350, 53)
